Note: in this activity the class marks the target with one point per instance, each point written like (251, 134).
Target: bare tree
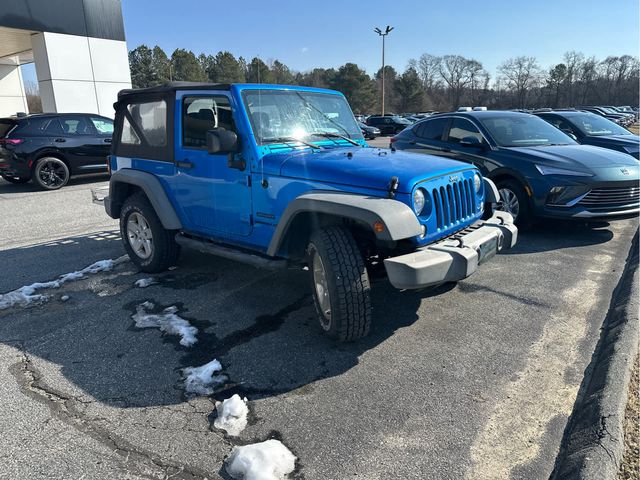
(573, 60)
(34, 102)
(521, 75)
(455, 71)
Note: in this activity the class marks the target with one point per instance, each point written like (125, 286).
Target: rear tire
(340, 284)
(149, 245)
(51, 173)
(15, 180)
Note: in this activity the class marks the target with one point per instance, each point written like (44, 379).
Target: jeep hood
(578, 157)
(361, 167)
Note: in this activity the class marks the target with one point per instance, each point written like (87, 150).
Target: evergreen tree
(357, 86)
(185, 67)
(258, 72)
(410, 92)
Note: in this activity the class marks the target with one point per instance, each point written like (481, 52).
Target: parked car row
(50, 148)
(540, 170)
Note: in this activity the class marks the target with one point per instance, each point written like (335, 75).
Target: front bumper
(455, 257)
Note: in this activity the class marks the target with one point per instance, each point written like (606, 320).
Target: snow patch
(232, 415)
(145, 282)
(201, 380)
(27, 295)
(269, 460)
(167, 321)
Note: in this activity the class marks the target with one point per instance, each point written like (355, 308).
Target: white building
(79, 51)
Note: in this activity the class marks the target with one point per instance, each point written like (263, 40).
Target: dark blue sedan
(591, 129)
(539, 170)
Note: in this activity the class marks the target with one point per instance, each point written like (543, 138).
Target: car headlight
(477, 182)
(547, 170)
(418, 201)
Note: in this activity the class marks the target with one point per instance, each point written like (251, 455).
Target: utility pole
(383, 34)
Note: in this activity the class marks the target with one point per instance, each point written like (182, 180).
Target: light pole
(383, 34)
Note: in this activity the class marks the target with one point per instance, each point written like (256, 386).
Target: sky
(329, 33)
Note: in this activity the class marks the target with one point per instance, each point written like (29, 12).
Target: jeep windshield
(296, 114)
(524, 131)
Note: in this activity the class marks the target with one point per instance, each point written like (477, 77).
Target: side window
(42, 126)
(203, 113)
(104, 126)
(432, 129)
(128, 135)
(76, 125)
(151, 119)
(462, 128)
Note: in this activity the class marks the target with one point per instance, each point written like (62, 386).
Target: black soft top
(170, 88)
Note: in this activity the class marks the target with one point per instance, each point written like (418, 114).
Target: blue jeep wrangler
(280, 176)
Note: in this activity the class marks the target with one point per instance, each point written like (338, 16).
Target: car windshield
(279, 115)
(590, 124)
(524, 131)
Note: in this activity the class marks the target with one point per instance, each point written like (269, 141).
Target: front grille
(611, 197)
(454, 203)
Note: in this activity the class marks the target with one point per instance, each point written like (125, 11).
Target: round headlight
(418, 200)
(477, 182)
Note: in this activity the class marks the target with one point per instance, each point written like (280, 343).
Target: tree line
(430, 82)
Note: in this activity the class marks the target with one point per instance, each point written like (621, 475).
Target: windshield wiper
(292, 140)
(335, 135)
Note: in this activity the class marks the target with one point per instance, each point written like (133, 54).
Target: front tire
(515, 201)
(51, 173)
(149, 245)
(340, 284)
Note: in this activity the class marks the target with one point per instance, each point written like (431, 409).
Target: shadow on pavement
(45, 261)
(7, 187)
(260, 325)
(557, 234)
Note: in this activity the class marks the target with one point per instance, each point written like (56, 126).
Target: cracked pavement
(474, 380)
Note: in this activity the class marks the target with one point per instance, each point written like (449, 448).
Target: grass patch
(630, 468)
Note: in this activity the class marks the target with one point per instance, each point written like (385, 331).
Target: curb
(594, 440)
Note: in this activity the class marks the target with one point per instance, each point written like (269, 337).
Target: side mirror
(471, 142)
(220, 140)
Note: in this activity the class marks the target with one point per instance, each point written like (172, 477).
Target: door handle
(60, 140)
(185, 164)
(107, 140)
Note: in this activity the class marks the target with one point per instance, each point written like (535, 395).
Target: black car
(50, 148)
(603, 112)
(591, 129)
(369, 132)
(539, 170)
(389, 124)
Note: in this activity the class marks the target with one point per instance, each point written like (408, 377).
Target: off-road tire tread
(348, 278)
(165, 249)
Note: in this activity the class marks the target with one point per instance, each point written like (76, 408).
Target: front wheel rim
(322, 291)
(139, 235)
(510, 203)
(52, 173)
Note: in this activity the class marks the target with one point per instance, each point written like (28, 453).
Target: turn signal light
(378, 227)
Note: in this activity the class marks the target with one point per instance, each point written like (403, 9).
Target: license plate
(487, 250)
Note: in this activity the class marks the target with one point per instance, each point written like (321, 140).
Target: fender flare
(398, 219)
(491, 193)
(152, 188)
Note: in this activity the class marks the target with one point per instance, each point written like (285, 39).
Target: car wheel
(51, 173)
(340, 284)
(16, 180)
(514, 200)
(150, 246)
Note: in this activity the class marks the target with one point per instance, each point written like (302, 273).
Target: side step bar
(206, 246)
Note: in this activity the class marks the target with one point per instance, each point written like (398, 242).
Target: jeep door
(213, 192)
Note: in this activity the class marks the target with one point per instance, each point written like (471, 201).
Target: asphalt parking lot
(473, 380)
